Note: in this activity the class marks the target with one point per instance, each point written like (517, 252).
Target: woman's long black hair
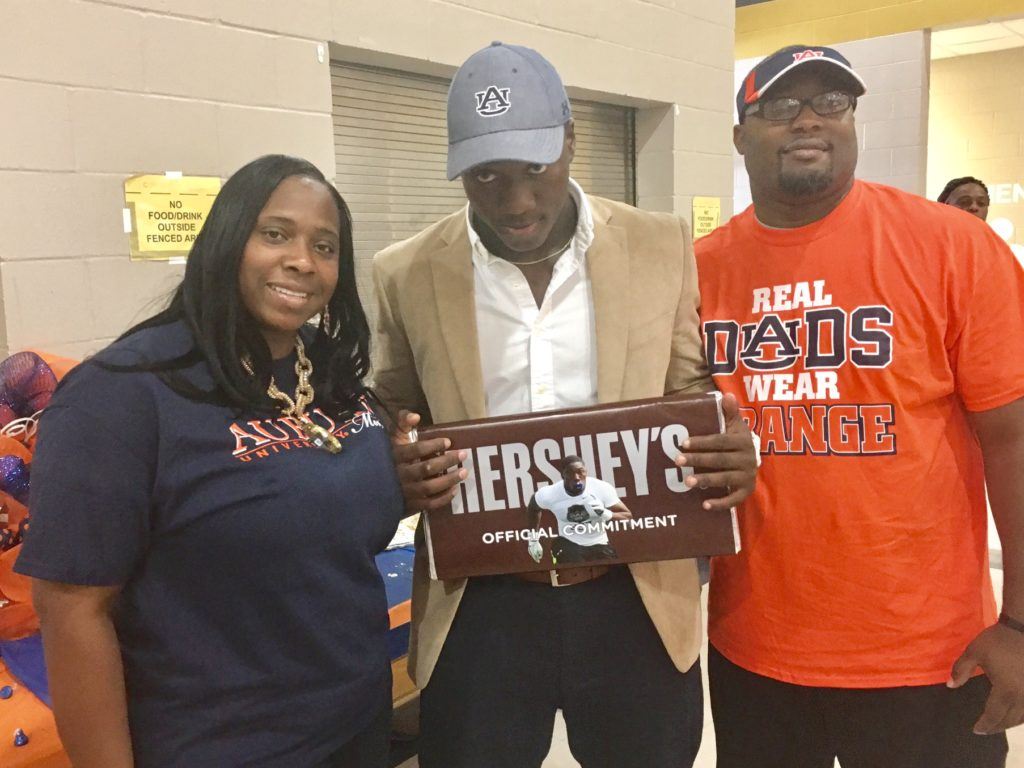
(208, 301)
(954, 183)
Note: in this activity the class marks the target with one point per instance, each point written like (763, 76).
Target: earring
(325, 319)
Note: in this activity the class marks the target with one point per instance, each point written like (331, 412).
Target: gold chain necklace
(556, 252)
(296, 407)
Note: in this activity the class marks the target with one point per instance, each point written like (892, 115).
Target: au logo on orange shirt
(793, 347)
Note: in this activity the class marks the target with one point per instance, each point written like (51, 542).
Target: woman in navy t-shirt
(208, 495)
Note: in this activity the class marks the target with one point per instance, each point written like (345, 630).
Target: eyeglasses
(824, 104)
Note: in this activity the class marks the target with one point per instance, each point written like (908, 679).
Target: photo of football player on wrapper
(584, 508)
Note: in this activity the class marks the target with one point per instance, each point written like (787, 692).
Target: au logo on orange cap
(808, 54)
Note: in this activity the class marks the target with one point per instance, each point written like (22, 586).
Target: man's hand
(423, 466)
(722, 461)
(999, 651)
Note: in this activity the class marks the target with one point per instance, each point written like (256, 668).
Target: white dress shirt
(537, 358)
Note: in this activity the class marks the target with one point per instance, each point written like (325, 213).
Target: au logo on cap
(808, 54)
(493, 101)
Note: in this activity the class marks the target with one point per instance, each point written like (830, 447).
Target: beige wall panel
(532, 11)
(578, 16)
(700, 130)
(579, 38)
(994, 146)
(133, 133)
(892, 133)
(245, 133)
(702, 86)
(715, 11)
(148, 285)
(654, 173)
(949, 111)
(65, 41)
(702, 41)
(47, 302)
(875, 162)
(916, 108)
(895, 76)
(699, 173)
(419, 29)
(982, 99)
(118, 87)
(203, 9)
(37, 130)
(302, 80)
(61, 215)
(909, 164)
(655, 129)
(302, 18)
(199, 60)
(631, 25)
(232, 65)
(673, 29)
(879, 107)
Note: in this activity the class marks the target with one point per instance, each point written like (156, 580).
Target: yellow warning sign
(707, 212)
(164, 213)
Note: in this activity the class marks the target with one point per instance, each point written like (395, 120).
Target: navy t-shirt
(252, 619)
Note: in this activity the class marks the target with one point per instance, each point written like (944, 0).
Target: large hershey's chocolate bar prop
(489, 527)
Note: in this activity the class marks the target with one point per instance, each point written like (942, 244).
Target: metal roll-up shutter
(605, 150)
(391, 148)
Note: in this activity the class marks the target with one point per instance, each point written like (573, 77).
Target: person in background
(968, 194)
(874, 340)
(208, 495)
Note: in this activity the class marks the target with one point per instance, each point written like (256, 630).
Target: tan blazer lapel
(608, 268)
(452, 268)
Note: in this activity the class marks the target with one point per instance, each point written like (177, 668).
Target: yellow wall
(765, 27)
(976, 128)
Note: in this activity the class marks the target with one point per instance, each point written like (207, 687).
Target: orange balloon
(18, 620)
(12, 447)
(14, 586)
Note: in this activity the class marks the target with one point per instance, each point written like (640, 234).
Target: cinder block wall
(977, 128)
(97, 90)
(892, 117)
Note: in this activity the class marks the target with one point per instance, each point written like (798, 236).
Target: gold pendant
(320, 437)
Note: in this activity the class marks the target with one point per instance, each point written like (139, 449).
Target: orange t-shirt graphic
(856, 346)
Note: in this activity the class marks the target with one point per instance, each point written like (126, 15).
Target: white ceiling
(979, 38)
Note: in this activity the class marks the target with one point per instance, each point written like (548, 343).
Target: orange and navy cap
(772, 68)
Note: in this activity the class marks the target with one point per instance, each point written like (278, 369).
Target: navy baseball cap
(772, 68)
(506, 102)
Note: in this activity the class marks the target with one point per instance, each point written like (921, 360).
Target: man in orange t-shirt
(876, 342)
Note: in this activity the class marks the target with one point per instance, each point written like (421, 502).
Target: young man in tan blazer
(537, 296)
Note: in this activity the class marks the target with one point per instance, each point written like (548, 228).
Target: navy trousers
(519, 651)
